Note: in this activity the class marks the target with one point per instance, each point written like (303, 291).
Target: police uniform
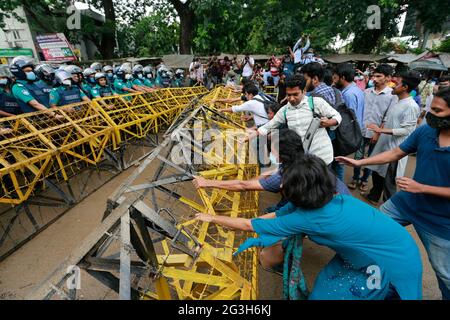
(44, 86)
(87, 87)
(119, 84)
(25, 91)
(137, 82)
(8, 103)
(62, 96)
(149, 83)
(102, 91)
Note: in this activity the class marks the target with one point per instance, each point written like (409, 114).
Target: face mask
(140, 76)
(67, 82)
(3, 82)
(371, 84)
(109, 75)
(438, 122)
(149, 76)
(128, 76)
(91, 80)
(31, 76)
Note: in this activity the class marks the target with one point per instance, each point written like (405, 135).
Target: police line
(53, 144)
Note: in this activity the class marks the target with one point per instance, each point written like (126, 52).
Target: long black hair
(307, 183)
(290, 145)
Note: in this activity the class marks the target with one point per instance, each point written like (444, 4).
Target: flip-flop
(364, 186)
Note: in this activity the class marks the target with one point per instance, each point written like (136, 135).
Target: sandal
(364, 186)
(352, 185)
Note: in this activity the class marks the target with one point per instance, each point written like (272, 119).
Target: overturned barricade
(52, 160)
(149, 245)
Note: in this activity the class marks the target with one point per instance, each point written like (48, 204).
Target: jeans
(384, 185)
(338, 170)
(360, 154)
(438, 249)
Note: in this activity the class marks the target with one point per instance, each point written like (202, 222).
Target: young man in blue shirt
(424, 201)
(353, 96)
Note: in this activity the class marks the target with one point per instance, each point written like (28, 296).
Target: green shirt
(96, 91)
(137, 82)
(120, 84)
(149, 83)
(21, 93)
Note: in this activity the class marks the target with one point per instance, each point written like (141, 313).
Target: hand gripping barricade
(149, 246)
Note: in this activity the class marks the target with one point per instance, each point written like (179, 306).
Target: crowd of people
(390, 116)
(394, 120)
(27, 87)
(235, 71)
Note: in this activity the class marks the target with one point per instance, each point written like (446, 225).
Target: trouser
(338, 169)
(384, 185)
(360, 154)
(438, 249)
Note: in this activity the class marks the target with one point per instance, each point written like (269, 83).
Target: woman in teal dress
(376, 258)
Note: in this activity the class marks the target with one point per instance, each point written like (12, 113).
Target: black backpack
(348, 134)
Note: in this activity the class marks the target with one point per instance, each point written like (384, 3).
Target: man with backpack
(346, 138)
(353, 96)
(308, 117)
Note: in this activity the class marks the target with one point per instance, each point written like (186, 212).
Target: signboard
(55, 47)
(16, 52)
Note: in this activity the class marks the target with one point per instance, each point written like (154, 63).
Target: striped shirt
(298, 118)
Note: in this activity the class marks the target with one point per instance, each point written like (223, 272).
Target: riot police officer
(109, 72)
(149, 79)
(97, 66)
(123, 85)
(178, 80)
(103, 88)
(9, 106)
(163, 77)
(30, 96)
(66, 93)
(89, 81)
(138, 79)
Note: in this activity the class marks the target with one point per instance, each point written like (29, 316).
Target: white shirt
(256, 108)
(248, 70)
(402, 119)
(298, 118)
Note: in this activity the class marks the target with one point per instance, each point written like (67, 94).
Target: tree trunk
(187, 16)
(108, 41)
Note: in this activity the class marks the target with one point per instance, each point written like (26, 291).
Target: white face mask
(128, 76)
(67, 82)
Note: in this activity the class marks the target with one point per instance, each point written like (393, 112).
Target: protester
(302, 111)
(253, 105)
(377, 101)
(247, 67)
(400, 122)
(298, 51)
(361, 236)
(286, 147)
(424, 200)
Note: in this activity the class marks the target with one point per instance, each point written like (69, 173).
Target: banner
(16, 52)
(55, 47)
